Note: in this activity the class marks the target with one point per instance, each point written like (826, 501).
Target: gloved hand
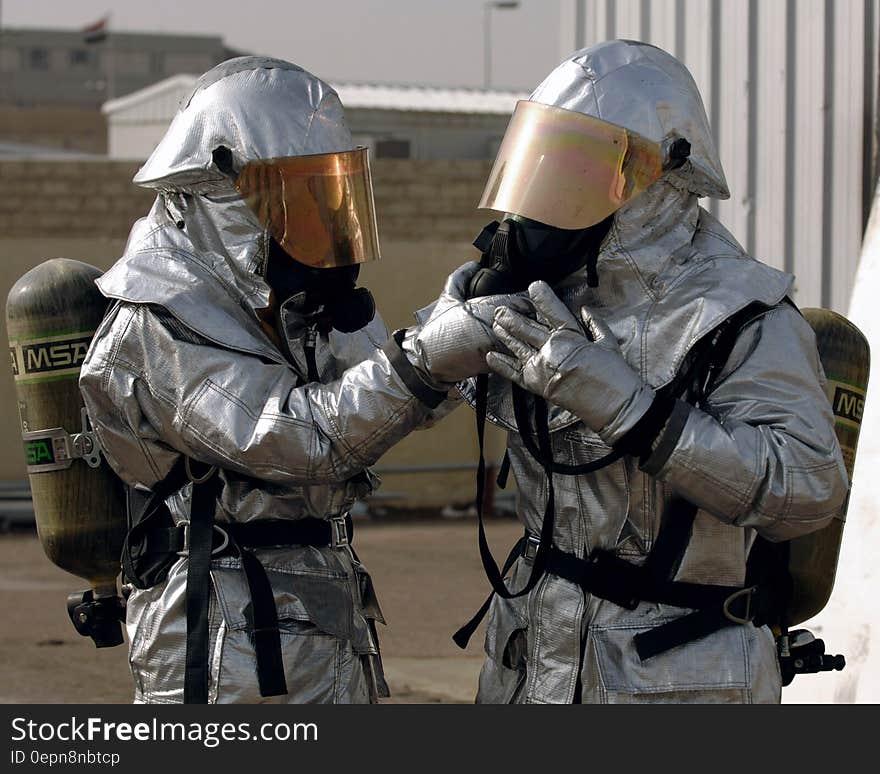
(554, 358)
(453, 342)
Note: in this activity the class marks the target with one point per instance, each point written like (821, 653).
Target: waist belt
(607, 576)
(229, 537)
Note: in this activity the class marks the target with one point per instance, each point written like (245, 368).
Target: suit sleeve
(764, 453)
(153, 393)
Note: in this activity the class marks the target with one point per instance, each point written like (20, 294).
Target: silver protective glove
(584, 373)
(452, 344)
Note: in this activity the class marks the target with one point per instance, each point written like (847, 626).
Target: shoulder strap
(677, 521)
(712, 359)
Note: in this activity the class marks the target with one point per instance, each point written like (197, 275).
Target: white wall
(133, 141)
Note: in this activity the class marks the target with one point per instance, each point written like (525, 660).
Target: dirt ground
(428, 576)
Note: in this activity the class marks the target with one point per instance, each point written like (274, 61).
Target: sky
(435, 42)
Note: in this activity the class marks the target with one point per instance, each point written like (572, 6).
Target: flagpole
(2, 90)
(109, 63)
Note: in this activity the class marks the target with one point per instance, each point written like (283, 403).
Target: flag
(97, 32)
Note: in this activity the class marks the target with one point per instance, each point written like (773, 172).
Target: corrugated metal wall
(790, 87)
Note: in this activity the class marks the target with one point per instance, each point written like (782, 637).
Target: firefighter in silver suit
(238, 342)
(616, 140)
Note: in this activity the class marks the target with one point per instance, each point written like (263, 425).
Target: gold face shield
(567, 169)
(319, 208)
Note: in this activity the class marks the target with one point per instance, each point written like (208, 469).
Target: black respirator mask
(520, 251)
(329, 297)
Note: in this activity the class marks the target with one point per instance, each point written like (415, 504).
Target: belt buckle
(747, 592)
(186, 523)
(338, 532)
(530, 548)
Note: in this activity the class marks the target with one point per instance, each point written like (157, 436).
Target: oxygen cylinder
(52, 313)
(845, 356)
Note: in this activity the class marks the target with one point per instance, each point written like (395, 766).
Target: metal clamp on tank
(98, 617)
(56, 449)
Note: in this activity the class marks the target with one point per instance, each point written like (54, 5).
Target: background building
(41, 67)
(53, 82)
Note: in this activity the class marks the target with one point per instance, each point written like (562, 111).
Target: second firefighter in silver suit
(759, 458)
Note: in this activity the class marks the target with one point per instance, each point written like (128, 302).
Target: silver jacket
(182, 366)
(762, 458)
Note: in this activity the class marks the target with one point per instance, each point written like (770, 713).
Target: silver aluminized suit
(762, 458)
(182, 365)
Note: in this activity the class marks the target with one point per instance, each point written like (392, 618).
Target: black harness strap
(503, 471)
(521, 405)
(197, 539)
(604, 574)
(143, 563)
(676, 525)
(609, 577)
(496, 576)
(265, 635)
(464, 634)
(543, 453)
(198, 589)
(262, 533)
(693, 626)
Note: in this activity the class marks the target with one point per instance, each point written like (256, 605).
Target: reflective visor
(319, 208)
(567, 169)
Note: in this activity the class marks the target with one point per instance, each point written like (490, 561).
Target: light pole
(503, 5)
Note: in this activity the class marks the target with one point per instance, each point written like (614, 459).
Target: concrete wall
(83, 210)
(68, 127)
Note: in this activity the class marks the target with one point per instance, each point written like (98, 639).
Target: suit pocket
(315, 613)
(736, 664)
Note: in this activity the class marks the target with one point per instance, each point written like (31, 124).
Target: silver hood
(641, 88)
(199, 227)
(259, 108)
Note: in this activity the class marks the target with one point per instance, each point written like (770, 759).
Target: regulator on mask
(519, 251)
(327, 297)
